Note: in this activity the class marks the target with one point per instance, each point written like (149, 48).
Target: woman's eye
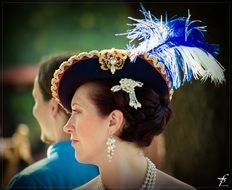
(75, 111)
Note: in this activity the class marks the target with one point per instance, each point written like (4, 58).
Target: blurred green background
(197, 136)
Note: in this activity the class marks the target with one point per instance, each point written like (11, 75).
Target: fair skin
(89, 132)
(49, 116)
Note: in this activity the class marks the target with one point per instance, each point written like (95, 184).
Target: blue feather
(179, 43)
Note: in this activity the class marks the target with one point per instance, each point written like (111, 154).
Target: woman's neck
(58, 131)
(127, 168)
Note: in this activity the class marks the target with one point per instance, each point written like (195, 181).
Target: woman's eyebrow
(75, 104)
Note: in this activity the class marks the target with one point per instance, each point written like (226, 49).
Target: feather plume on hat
(179, 44)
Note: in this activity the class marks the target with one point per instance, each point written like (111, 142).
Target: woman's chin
(82, 159)
(78, 158)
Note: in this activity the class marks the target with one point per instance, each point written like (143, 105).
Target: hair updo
(141, 124)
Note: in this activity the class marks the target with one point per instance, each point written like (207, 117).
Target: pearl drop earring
(110, 147)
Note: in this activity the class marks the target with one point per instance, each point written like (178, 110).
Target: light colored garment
(163, 182)
(94, 184)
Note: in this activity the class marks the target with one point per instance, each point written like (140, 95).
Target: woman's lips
(74, 141)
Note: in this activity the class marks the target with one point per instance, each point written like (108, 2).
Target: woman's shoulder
(91, 185)
(165, 181)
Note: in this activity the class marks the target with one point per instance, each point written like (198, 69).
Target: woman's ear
(54, 108)
(116, 122)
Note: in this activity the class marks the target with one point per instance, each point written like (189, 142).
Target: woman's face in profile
(41, 113)
(88, 129)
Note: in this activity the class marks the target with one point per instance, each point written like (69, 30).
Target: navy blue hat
(107, 64)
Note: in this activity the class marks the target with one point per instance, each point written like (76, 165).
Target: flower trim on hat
(105, 60)
(113, 59)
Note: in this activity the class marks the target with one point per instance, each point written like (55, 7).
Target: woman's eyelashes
(74, 110)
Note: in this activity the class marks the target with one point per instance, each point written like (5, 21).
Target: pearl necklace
(149, 182)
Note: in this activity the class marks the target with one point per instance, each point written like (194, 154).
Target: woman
(119, 100)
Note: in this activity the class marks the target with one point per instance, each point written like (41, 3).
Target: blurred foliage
(196, 136)
(21, 106)
(32, 31)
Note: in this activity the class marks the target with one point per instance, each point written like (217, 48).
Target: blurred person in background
(16, 152)
(54, 171)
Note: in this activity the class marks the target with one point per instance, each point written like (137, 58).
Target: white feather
(202, 64)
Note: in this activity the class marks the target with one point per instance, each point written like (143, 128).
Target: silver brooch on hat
(128, 85)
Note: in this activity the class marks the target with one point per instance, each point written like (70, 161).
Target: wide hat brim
(96, 65)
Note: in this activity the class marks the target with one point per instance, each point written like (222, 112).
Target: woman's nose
(68, 128)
